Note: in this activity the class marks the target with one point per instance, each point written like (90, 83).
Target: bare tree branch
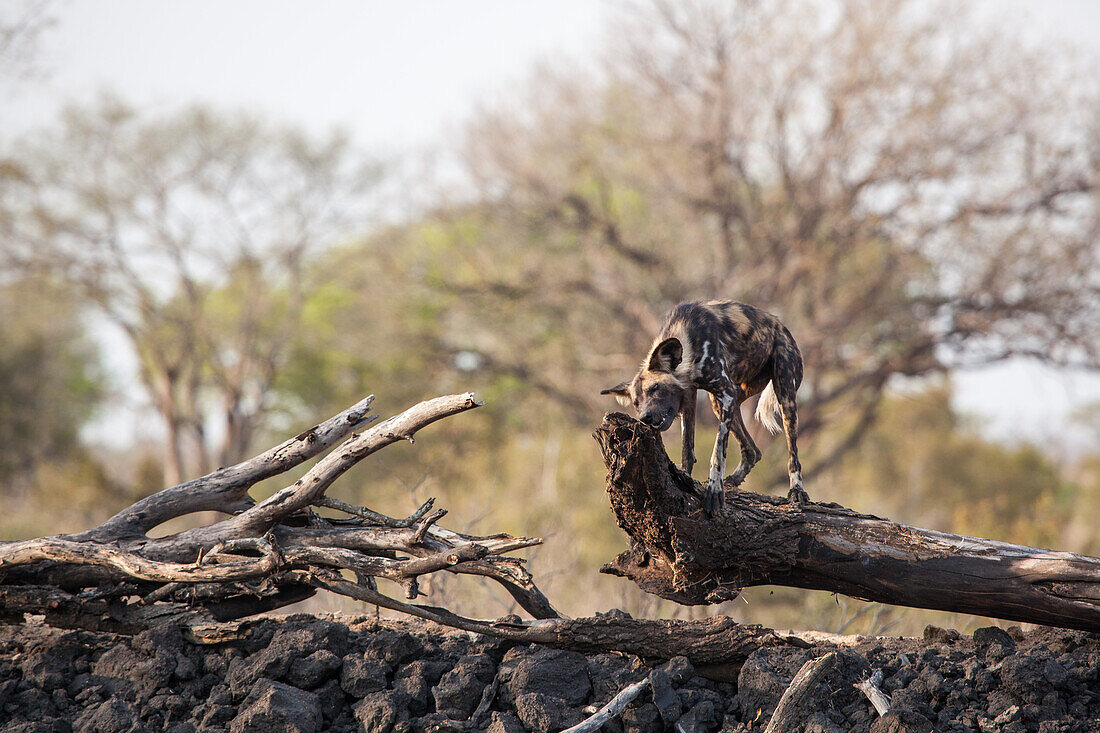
(225, 489)
(256, 553)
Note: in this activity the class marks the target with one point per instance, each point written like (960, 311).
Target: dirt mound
(352, 674)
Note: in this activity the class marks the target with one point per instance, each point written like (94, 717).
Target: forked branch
(250, 560)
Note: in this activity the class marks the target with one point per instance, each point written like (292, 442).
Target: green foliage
(51, 383)
(922, 463)
(50, 380)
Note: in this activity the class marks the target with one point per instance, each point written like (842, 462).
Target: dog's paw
(798, 495)
(714, 498)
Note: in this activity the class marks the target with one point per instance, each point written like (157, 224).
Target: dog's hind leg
(787, 377)
(687, 430)
(797, 494)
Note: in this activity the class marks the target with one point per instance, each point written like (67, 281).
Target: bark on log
(680, 553)
(112, 613)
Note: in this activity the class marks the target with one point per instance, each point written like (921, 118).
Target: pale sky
(402, 76)
(396, 74)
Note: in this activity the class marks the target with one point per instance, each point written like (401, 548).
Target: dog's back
(725, 334)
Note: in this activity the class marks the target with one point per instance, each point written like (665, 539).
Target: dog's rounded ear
(667, 356)
(621, 392)
(621, 389)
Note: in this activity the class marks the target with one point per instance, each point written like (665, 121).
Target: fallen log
(681, 553)
(117, 577)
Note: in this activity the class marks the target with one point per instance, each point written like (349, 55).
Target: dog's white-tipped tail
(767, 410)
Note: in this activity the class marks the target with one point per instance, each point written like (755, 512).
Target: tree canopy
(192, 231)
(906, 194)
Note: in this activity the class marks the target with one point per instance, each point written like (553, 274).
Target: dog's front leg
(687, 430)
(714, 496)
(724, 402)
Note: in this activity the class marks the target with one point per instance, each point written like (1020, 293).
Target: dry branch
(681, 553)
(717, 645)
(250, 561)
(789, 710)
(226, 489)
(870, 688)
(615, 706)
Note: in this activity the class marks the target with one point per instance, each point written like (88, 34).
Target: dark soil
(308, 674)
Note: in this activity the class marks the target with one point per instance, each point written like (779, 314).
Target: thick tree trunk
(173, 452)
(680, 553)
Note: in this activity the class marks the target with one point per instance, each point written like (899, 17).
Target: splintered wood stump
(681, 553)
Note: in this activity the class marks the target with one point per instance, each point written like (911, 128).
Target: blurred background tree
(192, 232)
(908, 195)
(50, 385)
(911, 190)
(51, 376)
(22, 24)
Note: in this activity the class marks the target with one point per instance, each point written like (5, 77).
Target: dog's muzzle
(658, 422)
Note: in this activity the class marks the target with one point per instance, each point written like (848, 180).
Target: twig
(788, 711)
(162, 592)
(375, 517)
(426, 524)
(487, 698)
(333, 582)
(611, 709)
(495, 542)
(869, 687)
(419, 513)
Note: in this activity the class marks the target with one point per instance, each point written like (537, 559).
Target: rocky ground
(353, 674)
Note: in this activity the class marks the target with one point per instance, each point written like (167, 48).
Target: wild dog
(733, 351)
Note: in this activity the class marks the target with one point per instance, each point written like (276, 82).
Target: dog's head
(656, 392)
